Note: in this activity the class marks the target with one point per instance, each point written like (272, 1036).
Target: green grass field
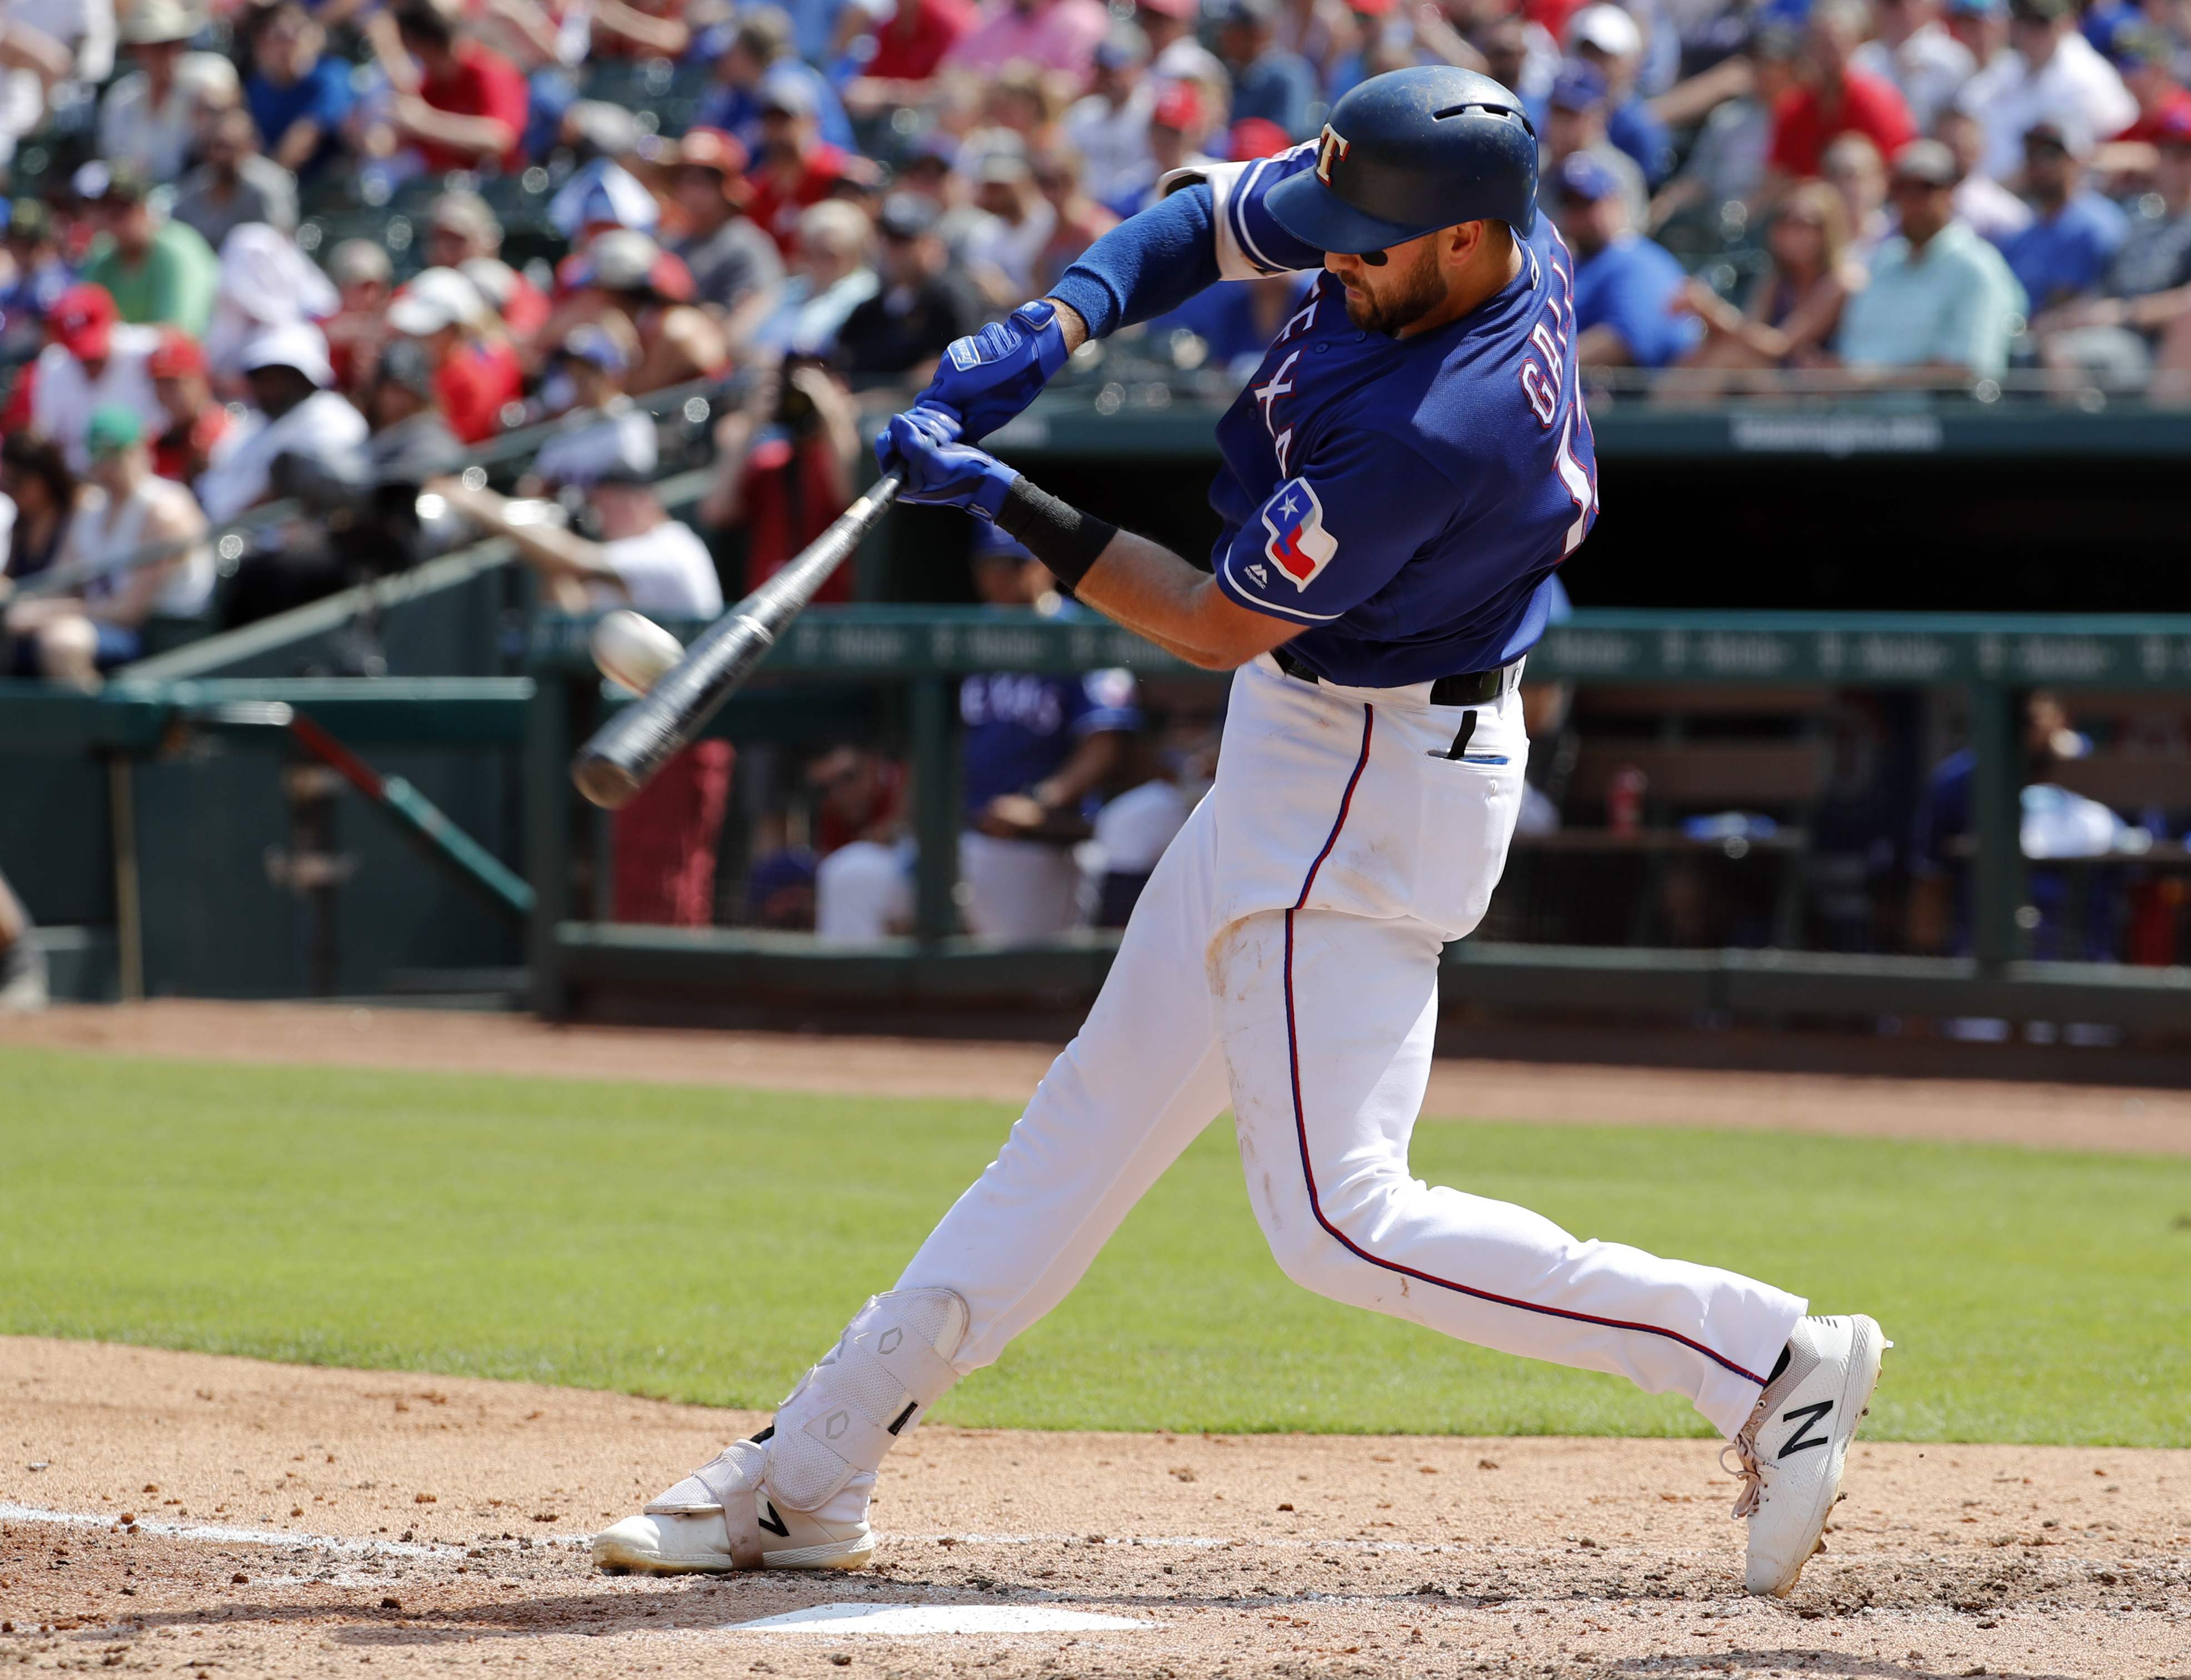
(706, 1244)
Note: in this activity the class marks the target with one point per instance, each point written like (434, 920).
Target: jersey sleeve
(1211, 226)
(1326, 541)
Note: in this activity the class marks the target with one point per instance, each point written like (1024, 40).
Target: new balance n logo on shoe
(1803, 1417)
(774, 1525)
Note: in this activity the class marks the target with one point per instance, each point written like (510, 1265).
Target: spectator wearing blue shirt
(1038, 746)
(1267, 81)
(2064, 253)
(1625, 286)
(1235, 320)
(298, 95)
(1574, 123)
(760, 52)
(1605, 37)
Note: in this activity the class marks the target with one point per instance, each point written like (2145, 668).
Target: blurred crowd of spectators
(377, 232)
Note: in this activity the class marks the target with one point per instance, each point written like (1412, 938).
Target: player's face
(1390, 297)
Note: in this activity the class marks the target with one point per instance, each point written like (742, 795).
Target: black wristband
(1058, 534)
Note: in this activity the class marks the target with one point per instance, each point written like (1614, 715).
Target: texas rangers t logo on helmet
(1298, 544)
(1331, 149)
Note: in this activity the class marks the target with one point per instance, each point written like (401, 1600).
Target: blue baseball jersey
(1405, 501)
(1020, 725)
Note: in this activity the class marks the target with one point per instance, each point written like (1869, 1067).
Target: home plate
(921, 1619)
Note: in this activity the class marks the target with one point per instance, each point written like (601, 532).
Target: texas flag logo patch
(1299, 545)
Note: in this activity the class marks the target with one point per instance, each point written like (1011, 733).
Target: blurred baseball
(633, 651)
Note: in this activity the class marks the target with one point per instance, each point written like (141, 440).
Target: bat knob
(606, 782)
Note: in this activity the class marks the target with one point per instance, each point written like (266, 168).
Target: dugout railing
(892, 670)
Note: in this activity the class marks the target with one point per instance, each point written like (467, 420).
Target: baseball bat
(626, 752)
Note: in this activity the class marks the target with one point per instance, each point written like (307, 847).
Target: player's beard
(1408, 296)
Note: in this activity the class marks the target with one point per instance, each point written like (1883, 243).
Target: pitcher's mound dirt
(199, 1516)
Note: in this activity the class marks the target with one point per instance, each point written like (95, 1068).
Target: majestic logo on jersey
(1331, 149)
(1299, 545)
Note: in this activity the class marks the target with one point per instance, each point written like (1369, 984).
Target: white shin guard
(890, 1365)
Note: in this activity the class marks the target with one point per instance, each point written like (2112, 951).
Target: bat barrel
(627, 751)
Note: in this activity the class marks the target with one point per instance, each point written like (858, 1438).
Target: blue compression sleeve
(1147, 266)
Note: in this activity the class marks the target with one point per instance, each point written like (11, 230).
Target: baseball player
(1401, 477)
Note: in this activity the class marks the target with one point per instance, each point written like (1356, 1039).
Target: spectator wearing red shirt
(909, 46)
(200, 425)
(470, 110)
(783, 470)
(1831, 99)
(2143, 56)
(796, 167)
(476, 373)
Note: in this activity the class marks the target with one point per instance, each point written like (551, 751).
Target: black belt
(1477, 688)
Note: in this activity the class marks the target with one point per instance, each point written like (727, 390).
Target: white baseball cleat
(1792, 1452)
(721, 1519)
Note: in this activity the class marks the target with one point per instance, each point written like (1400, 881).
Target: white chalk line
(272, 1537)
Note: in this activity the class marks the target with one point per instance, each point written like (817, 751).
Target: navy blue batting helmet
(1407, 153)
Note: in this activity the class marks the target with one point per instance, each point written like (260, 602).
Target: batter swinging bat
(626, 751)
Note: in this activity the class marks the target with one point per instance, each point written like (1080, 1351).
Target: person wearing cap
(736, 270)
(1833, 97)
(1035, 752)
(238, 183)
(1982, 27)
(1053, 35)
(1625, 287)
(1268, 80)
(158, 271)
(199, 428)
(2145, 60)
(364, 279)
(793, 167)
(1914, 50)
(92, 358)
(292, 411)
(760, 54)
(2050, 74)
(644, 558)
(470, 107)
(664, 841)
(36, 276)
(152, 117)
(1176, 54)
(905, 48)
(299, 94)
(476, 373)
(126, 507)
(1178, 123)
(1002, 254)
(1941, 299)
(1607, 38)
(628, 272)
(604, 430)
(1109, 125)
(926, 300)
(462, 233)
(1575, 112)
(2062, 253)
(2141, 322)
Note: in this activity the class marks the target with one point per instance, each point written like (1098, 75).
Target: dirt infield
(190, 1515)
(2045, 1116)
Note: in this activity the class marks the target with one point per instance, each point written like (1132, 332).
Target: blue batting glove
(989, 377)
(940, 471)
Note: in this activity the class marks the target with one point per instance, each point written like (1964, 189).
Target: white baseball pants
(1314, 1017)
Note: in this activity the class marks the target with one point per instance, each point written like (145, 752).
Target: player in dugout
(1403, 476)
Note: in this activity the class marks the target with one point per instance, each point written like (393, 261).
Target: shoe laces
(1745, 1469)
